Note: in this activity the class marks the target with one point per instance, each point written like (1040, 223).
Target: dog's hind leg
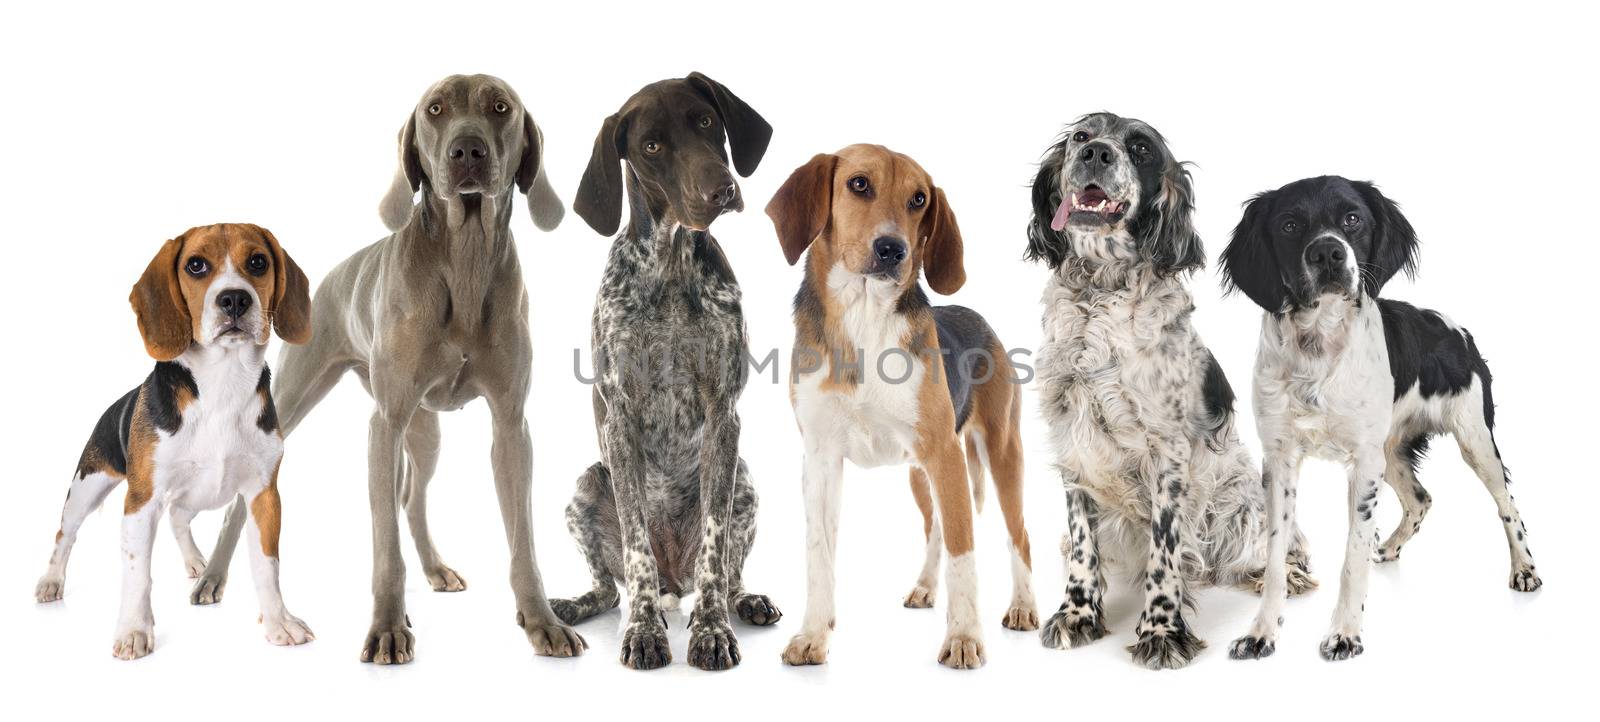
(1080, 620)
(1400, 471)
(422, 458)
(592, 521)
(1003, 456)
(1474, 433)
(922, 595)
(754, 609)
(85, 495)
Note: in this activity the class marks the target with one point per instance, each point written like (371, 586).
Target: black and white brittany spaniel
(1344, 375)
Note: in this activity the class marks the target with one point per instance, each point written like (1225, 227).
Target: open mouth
(1091, 205)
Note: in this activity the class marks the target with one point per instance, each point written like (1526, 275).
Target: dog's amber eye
(1291, 227)
(919, 200)
(859, 184)
(705, 122)
(1080, 137)
(196, 266)
(435, 109)
(1351, 220)
(501, 107)
(651, 147)
(256, 264)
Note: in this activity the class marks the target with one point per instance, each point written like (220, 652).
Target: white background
(124, 126)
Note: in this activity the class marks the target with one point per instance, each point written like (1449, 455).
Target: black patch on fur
(1216, 392)
(161, 395)
(1426, 353)
(965, 340)
(268, 420)
(109, 441)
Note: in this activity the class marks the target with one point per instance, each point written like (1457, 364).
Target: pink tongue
(1062, 211)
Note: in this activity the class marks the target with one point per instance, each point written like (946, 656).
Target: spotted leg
(1402, 456)
(712, 644)
(1280, 475)
(1080, 620)
(1344, 633)
(753, 609)
(592, 521)
(1164, 639)
(1479, 450)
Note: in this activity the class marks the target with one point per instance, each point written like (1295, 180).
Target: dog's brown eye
(919, 200)
(501, 107)
(859, 184)
(1291, 227)
(256, 264)
(705, 122)
(651, 147)
(196, 266)
(1080, 137)
(1351, 220)
(435, 109)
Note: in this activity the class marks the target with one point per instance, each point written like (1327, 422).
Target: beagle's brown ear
(599, 201)
(291, 295)
(158, 305)
(395, 209)
(543, 205)
(800, 208)
(941, 246)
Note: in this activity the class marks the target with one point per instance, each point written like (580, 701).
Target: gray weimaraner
(429, 319)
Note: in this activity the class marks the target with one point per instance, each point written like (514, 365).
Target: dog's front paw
(920, 598)
(757, 610)
(389, 643)
(194, 567)
(712, 646)
(1252, 647)
(445, 579)
(133, 642)
(1072, 628)
(49, 588)
(208, 589)
(1341, 646)
(551, 638)
(286, 630)
(1525, 579)
(1022, 618)
(644, 646)
(962, 651)
(806, 649)
(1166, 649)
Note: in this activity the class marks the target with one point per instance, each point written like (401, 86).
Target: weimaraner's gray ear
(395, 208)
(543, 204)
(599, 201)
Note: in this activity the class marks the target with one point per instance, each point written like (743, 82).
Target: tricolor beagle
(881, 377)
(201, 429)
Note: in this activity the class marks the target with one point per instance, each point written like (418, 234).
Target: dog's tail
(975, 464)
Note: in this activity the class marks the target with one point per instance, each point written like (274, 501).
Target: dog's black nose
(468, 148)
(1326, 253)
(1096, 155)
(233, 302)
(889, 251)
(722, 196)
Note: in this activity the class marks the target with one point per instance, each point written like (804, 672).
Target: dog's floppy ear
(158, 305)
(1249, 263)
(941, 246)
(1045, 243)
(599, 200)
(544, 206)
(748, 132)
(291, 295)
(395, 208)
(1168, 229)
(800, 209)
(1394, 242)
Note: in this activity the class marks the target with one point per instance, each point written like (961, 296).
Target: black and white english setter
(1140, 414)
(1344, 375)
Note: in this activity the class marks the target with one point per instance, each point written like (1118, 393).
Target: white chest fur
(1322, 378)
(872, 422)
(219, 450)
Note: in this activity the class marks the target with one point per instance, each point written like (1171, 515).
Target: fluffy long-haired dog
(202, 427)
(1345, 375)
(1140, 414)
(882, 377)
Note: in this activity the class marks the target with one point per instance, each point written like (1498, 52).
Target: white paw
(286, 630)
(133, 643)
(194, 567)
(806, 649)
(49, 588)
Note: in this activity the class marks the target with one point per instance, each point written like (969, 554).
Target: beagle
(201, 429)
(882, 377)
